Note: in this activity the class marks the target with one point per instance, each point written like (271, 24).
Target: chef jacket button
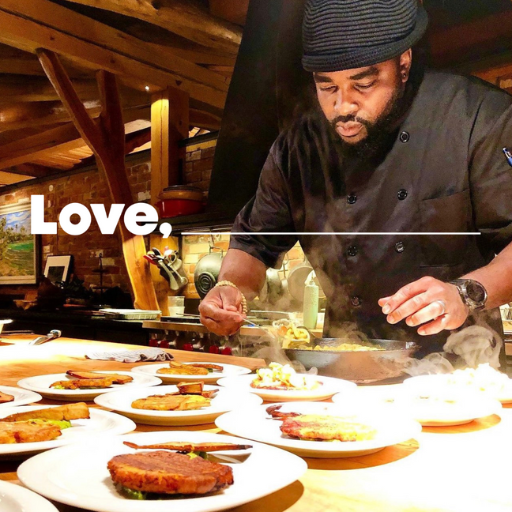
(351, 199)
(402, 194)
(356, 301)
(404, 136)
(352, 251)
(399, 247)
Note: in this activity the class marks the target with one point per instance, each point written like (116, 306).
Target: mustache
(350, 118)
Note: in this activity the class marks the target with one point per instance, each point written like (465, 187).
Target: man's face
(356, 100)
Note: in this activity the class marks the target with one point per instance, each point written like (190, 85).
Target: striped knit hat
(348, 34)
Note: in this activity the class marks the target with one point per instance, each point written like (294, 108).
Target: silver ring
(443, 305)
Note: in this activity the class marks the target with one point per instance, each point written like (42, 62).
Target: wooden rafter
(33, 170)
(107, 139)
(186, 18)
(43, 24)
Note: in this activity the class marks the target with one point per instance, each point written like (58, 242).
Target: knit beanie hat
(348, 34)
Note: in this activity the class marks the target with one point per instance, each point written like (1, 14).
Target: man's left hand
(427, 302)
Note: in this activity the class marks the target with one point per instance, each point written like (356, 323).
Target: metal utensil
(245, 321)
(52, 335)
(358, 366)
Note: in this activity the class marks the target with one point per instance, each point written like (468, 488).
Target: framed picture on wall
(57, 268)
(19, 249)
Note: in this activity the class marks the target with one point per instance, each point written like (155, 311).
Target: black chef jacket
(445, 171)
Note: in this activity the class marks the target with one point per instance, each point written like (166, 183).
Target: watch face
(475, 291)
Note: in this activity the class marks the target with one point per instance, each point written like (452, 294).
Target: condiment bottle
(310, 304)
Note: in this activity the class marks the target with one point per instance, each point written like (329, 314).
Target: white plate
(428, 412)
(225, 400)
(21, 396)
(329, 387)
(79, 475)
(230, 370)
(100, 422)
(256, 424)
(41, 384)
(14, 498)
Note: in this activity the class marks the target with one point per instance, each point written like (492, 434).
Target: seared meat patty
(4, 398)
(27, 432)
(171, 402)
(169, 473)
(313, 427)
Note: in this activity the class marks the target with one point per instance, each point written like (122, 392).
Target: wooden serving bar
(462, 468)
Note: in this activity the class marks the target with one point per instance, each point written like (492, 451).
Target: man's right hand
(221, 310)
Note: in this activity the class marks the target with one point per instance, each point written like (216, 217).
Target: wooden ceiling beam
(8, 178)
(107, 140)
(187, 18)
(204, 120)
(33, 170)
(42, 24)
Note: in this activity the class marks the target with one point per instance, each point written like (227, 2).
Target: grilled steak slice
(76, 411)
(274, 411)
(116, 378)
(169, 473)
(190, 447)
(314, 427)
(4, 398)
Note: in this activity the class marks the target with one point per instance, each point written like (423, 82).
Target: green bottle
(310, 304)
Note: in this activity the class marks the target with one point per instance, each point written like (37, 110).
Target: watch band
(473, 303)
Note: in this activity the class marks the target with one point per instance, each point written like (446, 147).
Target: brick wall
(195, 247)
(91, 187)
(85, 188)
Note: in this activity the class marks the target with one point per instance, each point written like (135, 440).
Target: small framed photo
(58, 268)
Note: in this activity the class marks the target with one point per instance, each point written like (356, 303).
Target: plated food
(283, 377)
(82, 385)
(321, 427)
(174, 372)
(473, 381)
(289, 387)
(40, 424)
(30, 429)
(170, 407)
(10, 396)
(189, 397)
(85, 475)
(312, 429)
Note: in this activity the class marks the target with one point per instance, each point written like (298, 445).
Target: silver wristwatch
(472, 293)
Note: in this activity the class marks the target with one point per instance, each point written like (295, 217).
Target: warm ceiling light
(147, 88)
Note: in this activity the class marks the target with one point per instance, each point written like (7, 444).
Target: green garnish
(131, 494)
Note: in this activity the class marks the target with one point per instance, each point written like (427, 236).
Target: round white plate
(14, 498)
(429, 412)
(257, 424)
(423, 382)
(79, 475)
(41, 384)
(230, 370)
(329, 387)
(100, 422)
(21, 396)
(225, 400)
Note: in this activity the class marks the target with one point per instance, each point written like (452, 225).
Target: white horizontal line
(345, 233)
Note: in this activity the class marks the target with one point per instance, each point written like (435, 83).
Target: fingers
(405, 293)
(220, 313)
(432, 311)
(409, 307)
(436, 326)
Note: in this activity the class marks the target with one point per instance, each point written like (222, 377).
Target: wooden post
(106, 139)
(169, 125)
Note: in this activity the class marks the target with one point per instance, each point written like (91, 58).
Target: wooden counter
(447, 469)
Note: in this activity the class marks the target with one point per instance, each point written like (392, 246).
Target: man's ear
(405, 65)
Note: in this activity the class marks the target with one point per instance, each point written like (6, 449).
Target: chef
(409, 169)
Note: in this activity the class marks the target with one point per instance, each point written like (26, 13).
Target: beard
(379, 132)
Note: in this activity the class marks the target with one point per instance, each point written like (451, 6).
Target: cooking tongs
(52, 335)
